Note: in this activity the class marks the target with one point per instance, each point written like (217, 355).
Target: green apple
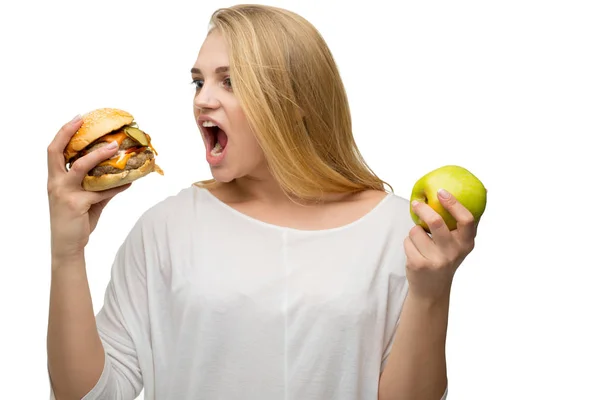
(461, 183)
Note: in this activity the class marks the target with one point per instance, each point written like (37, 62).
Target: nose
(206, 99)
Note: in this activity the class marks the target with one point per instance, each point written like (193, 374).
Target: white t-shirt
(207, 303)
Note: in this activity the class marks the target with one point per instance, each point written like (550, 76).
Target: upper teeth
(208, 124)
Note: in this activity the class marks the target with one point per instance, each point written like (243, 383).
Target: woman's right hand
(74, 212)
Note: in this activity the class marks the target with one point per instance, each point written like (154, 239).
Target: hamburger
(133, 160)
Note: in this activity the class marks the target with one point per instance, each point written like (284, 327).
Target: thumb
(100, 206)
(105, 196)
(96, 210)
(100, 200)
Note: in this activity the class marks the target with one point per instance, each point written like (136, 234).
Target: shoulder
(396, 209)
(399, 204)
(168, 206)
(384, 216)
(377, 198)
(180, 206)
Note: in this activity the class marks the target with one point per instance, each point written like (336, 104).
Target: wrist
(60, 260)
(440, 302)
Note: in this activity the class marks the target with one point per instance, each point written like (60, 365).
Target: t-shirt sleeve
(398, 284)
(399, 302)
(123, 322)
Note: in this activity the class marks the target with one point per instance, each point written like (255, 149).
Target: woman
(285, 276)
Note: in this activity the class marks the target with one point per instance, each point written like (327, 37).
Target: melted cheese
(119, 136)
(119, 160)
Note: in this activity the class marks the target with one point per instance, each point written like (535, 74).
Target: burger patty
(134, 162)
(127, 143)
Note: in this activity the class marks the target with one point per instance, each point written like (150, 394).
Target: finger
(56, 158)
(436, 224)
(413, 257)
(422, 242)
(465, 222)
(83, 165)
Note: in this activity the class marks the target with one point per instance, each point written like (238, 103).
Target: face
(232, 151)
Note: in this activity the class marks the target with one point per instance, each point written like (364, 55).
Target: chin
(222, 175)
(225, 172)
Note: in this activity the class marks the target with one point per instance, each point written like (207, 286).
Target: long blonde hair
(290, 89)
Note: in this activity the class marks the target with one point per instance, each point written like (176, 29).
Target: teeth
(217, 150)
(208, 124)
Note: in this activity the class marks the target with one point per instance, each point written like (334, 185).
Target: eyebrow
(218, 70)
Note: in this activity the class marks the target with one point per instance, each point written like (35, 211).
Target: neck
(264, 189)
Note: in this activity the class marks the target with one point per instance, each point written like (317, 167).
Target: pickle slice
(137, 135)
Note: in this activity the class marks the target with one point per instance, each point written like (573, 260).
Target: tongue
(222, 138)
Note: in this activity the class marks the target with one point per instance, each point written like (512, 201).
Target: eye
(227, 82)
(198, 83)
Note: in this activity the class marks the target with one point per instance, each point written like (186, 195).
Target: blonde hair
(290, 89)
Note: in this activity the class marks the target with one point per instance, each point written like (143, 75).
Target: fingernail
(112, 145)
(76, 118)
(444, 194)
(415, 203)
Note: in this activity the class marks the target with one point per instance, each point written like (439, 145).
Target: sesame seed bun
(96, 124)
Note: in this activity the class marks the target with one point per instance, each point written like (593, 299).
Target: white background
(509, 90)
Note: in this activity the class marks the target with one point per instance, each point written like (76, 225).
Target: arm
(78, 343)
(96, 358)
(75, 352)
(416, 368)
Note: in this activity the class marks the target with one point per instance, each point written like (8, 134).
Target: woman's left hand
(432, 261)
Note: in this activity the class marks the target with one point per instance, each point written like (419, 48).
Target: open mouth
(215, 136)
